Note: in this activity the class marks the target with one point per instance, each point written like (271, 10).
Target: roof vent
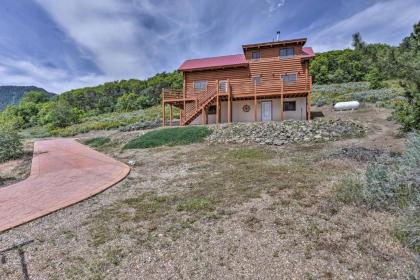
(278, 35)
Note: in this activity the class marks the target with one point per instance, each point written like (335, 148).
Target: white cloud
(381, 22)
(23, 73)
(274, 5)
(105, 28)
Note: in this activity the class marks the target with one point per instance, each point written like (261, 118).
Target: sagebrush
(11, 146)
(392, 184)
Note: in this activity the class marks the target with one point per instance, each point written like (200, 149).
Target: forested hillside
(376, 63)
(124, 95)
(74, 106)
(10, 95)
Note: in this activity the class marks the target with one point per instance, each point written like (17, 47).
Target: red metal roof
(213, 62)
(308, 52)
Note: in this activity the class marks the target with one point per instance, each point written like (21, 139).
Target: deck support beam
(163, 113)
(217, 109)
(309, 99)
(204, 117)
(281, 108)
(255, 108)
(229, 102)
(170, 114)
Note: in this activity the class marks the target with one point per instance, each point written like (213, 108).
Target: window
(256, 80)
(223, 86)
(255, 55)
(287, 52)
(200, 85)
(289, 78)
(289, 106)
(212, 110)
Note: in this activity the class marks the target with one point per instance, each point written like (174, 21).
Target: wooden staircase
(196, 107)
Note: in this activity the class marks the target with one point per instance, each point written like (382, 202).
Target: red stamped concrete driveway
(63, 172)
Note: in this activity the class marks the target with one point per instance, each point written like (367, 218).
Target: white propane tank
(349, 105)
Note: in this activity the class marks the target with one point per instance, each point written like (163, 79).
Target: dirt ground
(208, 211)
(16, 170)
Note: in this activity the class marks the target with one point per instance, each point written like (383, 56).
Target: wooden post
(217, 102)
(184, 93)
(229, 102)
(170, 114)
(306, 76)
(217, 110)
(203, 116)
(163, 107)
(309, 99)
(281, 108)
(255, 108)
(281, 99)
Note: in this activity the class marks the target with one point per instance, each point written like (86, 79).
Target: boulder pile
(289, 131)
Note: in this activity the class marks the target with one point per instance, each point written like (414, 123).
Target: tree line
(38, 108)
(375, 63)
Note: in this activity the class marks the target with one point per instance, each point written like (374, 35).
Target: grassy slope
(360, 91)
(100, 122)
(169, 137)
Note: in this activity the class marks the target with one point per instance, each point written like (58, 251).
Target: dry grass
(217, 212)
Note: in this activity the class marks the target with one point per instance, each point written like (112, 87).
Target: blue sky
(65, 44)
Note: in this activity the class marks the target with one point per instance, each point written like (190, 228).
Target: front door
(266, 111)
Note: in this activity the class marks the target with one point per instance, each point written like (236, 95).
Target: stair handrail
(200, 101)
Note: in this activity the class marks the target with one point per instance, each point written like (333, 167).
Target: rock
(289, 131)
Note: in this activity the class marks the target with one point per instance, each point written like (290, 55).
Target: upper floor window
(200, 85)
(287, 52)
(223, 86)
(256, 55)
(289, 78)
(256, 80)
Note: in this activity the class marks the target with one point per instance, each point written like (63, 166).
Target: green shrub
(97, 141)
(61, 114)
(128, 102)
(391, 183)
(169, 137)
(374, 78)
(10, 144)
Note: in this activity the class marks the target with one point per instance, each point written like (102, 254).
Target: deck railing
(172, 93)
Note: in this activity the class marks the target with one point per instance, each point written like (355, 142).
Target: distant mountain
(12, 94)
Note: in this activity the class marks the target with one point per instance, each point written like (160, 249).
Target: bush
(374, 78)
(128, 102)
(61, 114)
(169, 137)
(97, 141)
(10, 144)
(391, 184)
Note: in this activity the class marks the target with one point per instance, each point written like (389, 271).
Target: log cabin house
(268, 82)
